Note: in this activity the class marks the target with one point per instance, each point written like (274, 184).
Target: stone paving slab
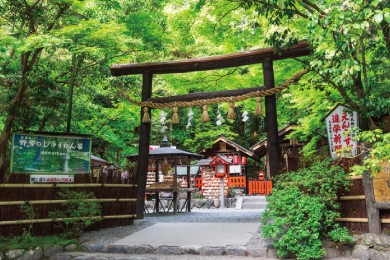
(195, 235)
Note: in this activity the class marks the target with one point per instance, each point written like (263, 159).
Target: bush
(79, 211)
(301, 211)
(20, 242)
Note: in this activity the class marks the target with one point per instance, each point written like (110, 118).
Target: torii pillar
(271, 121)
(143, 147)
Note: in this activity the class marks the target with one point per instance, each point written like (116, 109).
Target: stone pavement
(187, 237)
(195, 235)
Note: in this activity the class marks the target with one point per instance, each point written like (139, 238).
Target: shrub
(79, 211)
(301, 211)
(28, 213)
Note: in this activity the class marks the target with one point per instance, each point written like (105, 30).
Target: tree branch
(342, 91)
(30, 17)
(314, 7)
(58, 16)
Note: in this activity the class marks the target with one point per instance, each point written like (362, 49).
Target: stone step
(167, 252)
(254, 198)
(251, 202)
(253, 205)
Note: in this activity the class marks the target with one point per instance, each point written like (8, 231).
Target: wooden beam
(213, 62)
(143, 148)
(205, 95)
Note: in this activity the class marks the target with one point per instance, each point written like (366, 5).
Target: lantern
(221, 167)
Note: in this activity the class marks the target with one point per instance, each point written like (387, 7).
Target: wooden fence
(353, 209)
(259, 187)
(233, 182)
(118, 203)
(254, 186)
(237, 182)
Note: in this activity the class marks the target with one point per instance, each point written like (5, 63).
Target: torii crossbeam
(266, 56)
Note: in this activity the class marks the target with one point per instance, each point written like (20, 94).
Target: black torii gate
(266, 56)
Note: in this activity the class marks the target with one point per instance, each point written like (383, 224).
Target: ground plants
(301, 211)
(19, 242)
(79, 211)
(28, 213)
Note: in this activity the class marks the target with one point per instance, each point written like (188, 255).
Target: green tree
(350, 41)
(50, 47)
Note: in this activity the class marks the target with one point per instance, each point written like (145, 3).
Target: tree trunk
(6, 133)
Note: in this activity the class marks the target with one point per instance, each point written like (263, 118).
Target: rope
(257, 93)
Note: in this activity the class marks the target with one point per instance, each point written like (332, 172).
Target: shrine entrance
(266, 56)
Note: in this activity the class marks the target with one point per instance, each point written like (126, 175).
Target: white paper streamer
(162, 120)
(245, 116)
(220, 119)
(190, 117)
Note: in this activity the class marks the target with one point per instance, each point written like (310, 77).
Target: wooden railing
(254, 187)
(260, 187)
(237, 182)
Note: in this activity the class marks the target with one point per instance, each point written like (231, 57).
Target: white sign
(51, 178)
(339, 123)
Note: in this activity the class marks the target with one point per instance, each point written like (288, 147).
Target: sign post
(339, 124)
(50, 154)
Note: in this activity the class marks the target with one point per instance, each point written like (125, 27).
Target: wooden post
(271, 121)
(175, 187)
(221, 192)
(188, 184)
(374, 221)
(157, 201)
(143, 148)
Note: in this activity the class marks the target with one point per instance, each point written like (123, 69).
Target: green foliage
(301, 211)
(20, 242)
(349, 63)
(79, 211)
(28, 213)
(378, 151)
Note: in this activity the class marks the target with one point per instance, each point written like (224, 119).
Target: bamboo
(361, 220)
(36, 202)
(47, 220)
(65, 185)
(357, 197)
(355, 177)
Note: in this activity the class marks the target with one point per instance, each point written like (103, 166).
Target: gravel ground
(228, 215)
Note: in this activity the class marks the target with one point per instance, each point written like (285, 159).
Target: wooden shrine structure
(266, 56)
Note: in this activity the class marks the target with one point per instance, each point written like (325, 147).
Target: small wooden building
(224, 159)
(290, 151)
(233, 155)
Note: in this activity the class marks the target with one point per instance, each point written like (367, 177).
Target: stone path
(189, 236)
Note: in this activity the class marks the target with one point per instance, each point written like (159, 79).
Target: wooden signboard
(36, 153)
(339, 123)
(381, 183)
